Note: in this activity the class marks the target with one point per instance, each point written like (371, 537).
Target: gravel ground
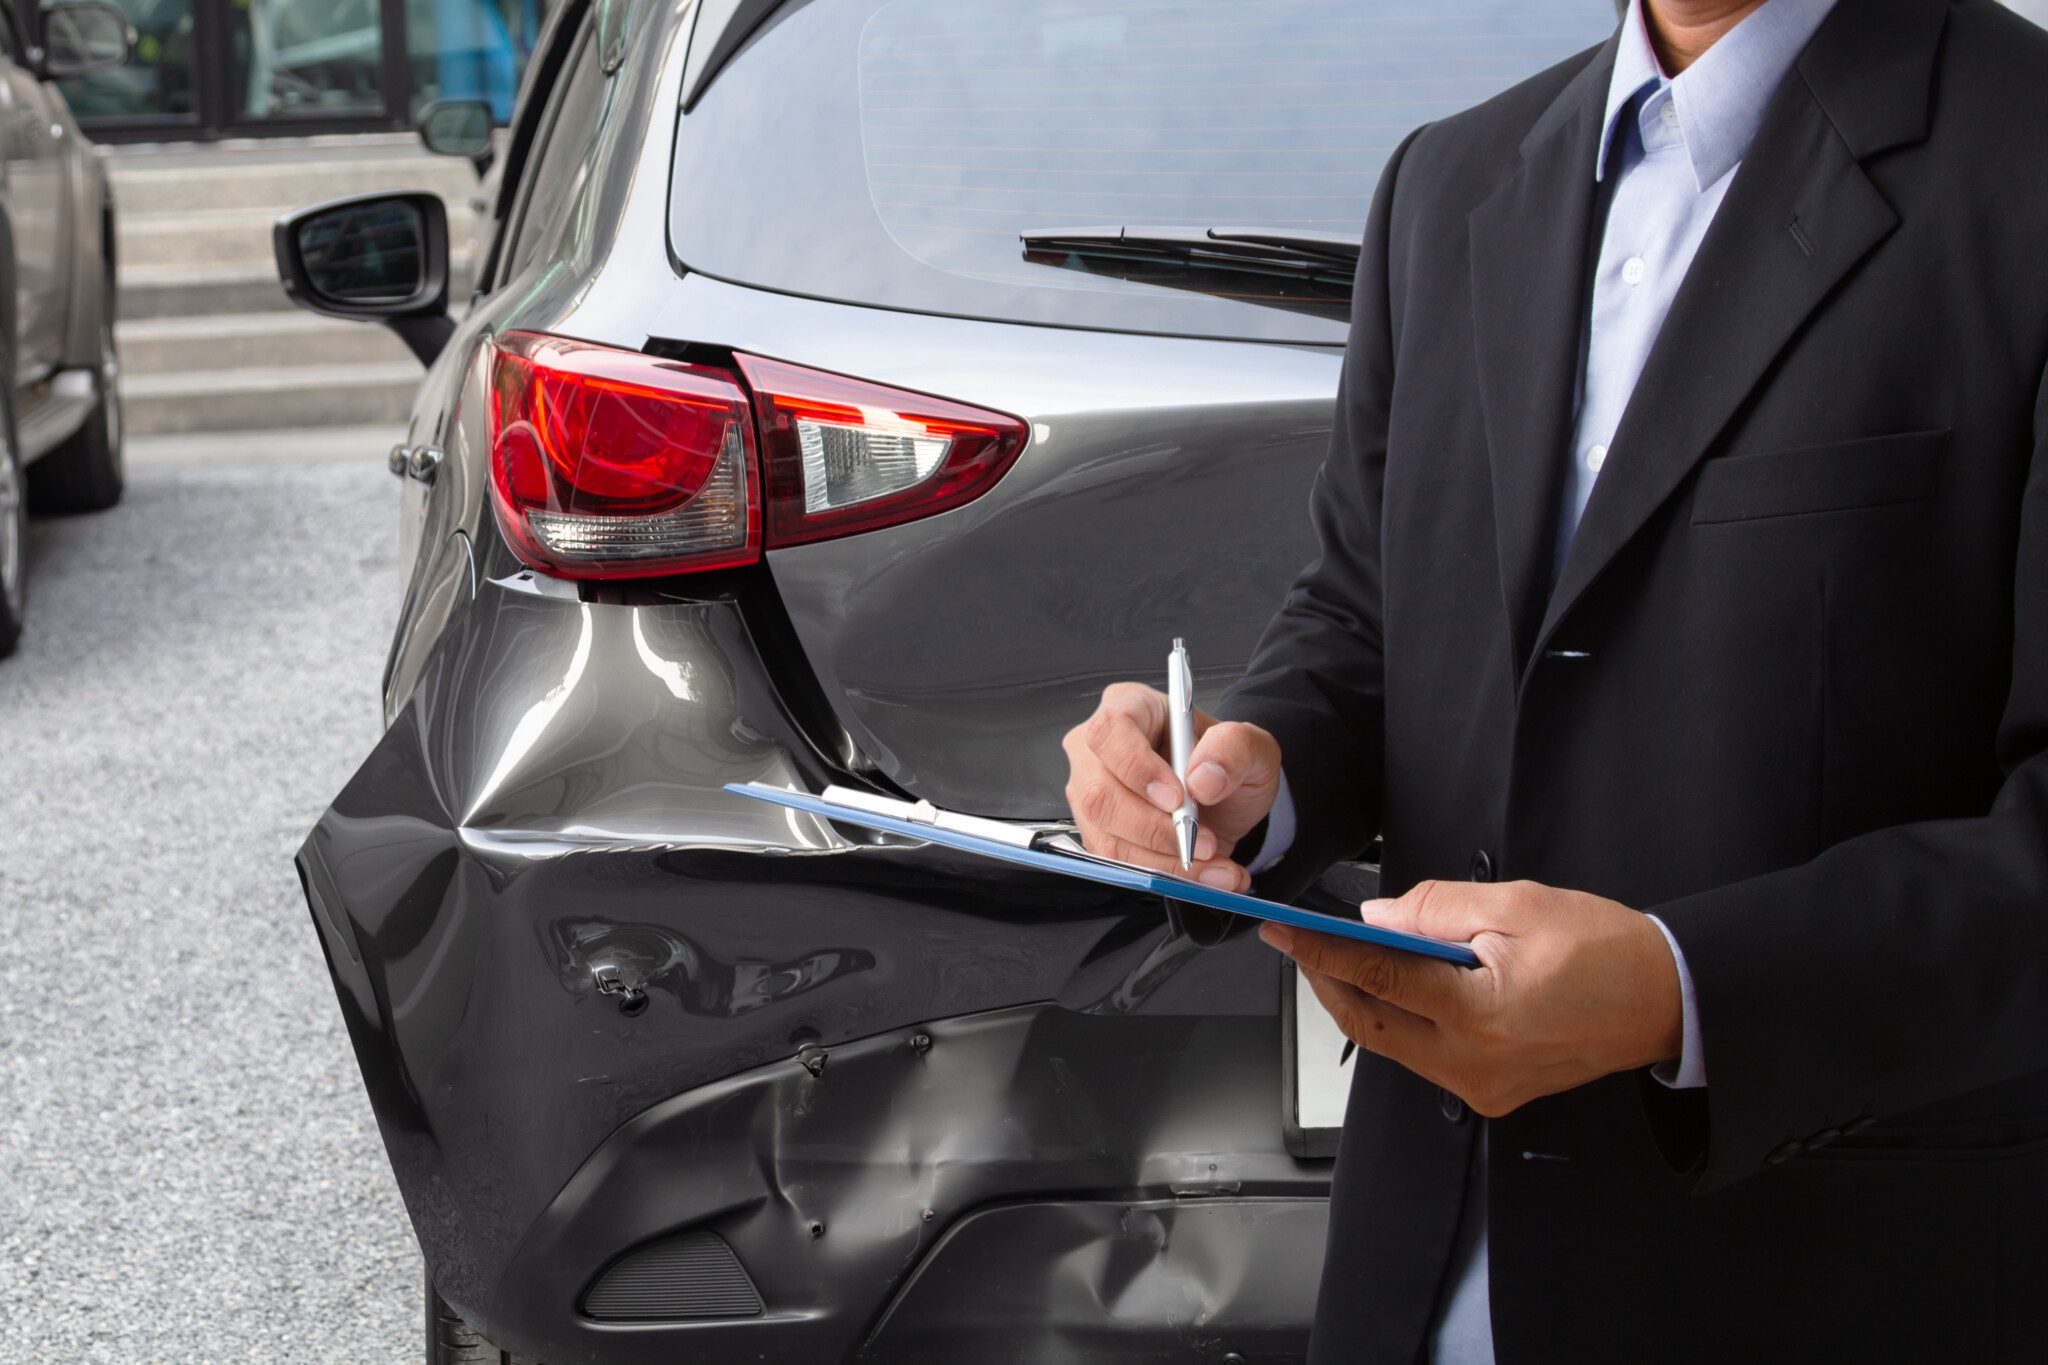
(189, 1170)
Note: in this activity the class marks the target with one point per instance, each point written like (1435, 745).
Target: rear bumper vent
(694, 1275)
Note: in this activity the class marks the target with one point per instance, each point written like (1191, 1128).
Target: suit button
(1450, 1106)
(1482, 867)
(1858, 1126)
(1785, 1153)
(1823, 1138)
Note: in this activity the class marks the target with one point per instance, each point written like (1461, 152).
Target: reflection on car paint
(535, 722)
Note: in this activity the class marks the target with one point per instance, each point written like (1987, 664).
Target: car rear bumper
(599, 1003)
(1033, 1183)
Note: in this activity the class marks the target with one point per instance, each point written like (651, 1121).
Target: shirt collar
(1720, 98)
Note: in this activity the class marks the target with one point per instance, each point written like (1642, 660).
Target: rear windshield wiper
(1217, 246)
(1305, 272)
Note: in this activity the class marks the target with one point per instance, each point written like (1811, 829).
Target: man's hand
(1123, 792)
(1571, 988)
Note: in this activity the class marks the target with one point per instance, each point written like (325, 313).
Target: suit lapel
(1529, 249)
(1800, 215)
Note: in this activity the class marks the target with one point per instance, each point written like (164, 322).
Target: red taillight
(845, 456)
(615, 464)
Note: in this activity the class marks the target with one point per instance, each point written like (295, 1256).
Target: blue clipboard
(1113, 874)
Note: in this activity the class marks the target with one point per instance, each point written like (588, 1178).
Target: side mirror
(460, 128)
(84, 36)
(374, 257)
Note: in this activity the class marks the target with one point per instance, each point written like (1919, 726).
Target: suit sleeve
(1897, 969)
(1315, 680)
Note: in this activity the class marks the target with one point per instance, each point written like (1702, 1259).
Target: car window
(931, 133)
(562, 158)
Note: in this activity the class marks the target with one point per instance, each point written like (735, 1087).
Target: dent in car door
(33, 141)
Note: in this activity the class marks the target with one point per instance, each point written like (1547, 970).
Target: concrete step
(260, 399)
(276, 180)
(232, 341)
(223, 236)
(209, 343)
(174, 291)
(183, 291)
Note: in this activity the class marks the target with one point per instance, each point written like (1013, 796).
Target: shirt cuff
(1279, 830)
(1689, 1072)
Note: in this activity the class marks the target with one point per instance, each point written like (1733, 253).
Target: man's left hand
(1571, 987)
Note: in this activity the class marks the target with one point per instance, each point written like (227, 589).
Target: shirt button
(1633, 270)
(1669, 113)
(1595, 457)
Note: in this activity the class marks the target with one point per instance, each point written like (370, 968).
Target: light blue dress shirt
(1669, 149)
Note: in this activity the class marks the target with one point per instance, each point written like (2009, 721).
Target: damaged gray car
(844, 386)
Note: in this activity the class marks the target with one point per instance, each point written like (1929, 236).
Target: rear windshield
(891, 152)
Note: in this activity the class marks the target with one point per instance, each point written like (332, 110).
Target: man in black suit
(1711, 607)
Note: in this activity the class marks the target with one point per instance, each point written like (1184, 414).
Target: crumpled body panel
(552, 933)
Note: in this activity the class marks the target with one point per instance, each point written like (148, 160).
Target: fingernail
(1373, 909)
(1207, 782)
(1222, 878)
(1205, 845)
(1163, 795)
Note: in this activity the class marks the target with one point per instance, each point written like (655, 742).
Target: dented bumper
(931, 1110)
(1032, 1183)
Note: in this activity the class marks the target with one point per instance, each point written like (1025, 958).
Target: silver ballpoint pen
(1180, 708)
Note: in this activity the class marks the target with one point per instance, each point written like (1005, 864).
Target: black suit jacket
(1789, 693)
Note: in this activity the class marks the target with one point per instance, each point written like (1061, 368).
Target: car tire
(13, 529)
(451, 1341)
(88, 472)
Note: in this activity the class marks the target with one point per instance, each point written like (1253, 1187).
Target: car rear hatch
(1125, 225)
(1161, 494)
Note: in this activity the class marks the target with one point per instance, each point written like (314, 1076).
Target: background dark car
(60, 429)
(852, 389)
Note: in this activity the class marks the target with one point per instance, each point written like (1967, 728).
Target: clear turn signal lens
(842, 455)
(847, 463)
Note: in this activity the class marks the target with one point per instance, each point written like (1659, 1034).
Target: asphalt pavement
(189, 1170)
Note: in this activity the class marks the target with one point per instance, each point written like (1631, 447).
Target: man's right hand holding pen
(1123, 793)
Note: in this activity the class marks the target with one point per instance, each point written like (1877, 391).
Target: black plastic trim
(691, 1275)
